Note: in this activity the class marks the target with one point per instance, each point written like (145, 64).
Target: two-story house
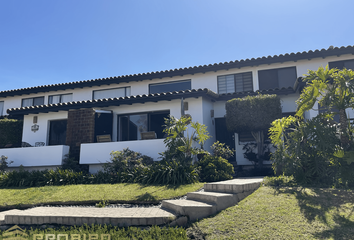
(94, 117)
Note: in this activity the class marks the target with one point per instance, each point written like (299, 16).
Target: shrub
(222, 150)
(10, 132)
(180, 145)
(175, 172)
(127, 166)
(4, 163)
(310, 151)
(214, 168)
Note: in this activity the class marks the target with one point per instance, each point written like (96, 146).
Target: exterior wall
(200, 80)
(99, 153)
(36, 156)
(209, 121)
(80, 129)
(42, 135)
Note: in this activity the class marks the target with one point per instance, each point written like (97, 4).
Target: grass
(93, 193)
(284, 213)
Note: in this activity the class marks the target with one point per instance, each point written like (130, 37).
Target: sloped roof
(168, 96)
(332, 51)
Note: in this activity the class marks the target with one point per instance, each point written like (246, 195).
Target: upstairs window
(1, 108)
(277, 78)
(111, 93)
(241, 82)
(348, 64)
(170, 86)
(27, 102)
(61, 98)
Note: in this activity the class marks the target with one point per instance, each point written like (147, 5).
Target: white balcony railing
(36, 156)
(96, 153)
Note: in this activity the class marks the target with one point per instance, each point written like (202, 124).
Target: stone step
(235, 186)
(221, 200)
(193, 209)
(81, 215)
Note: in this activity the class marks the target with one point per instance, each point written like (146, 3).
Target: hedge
(10, 131)
(252, 113)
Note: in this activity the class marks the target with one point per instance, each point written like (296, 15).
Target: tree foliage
(333, 89)
(179, 142)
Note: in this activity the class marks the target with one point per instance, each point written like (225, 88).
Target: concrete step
(193, 209)
(221, 200)
(234, 186)
(81, 215)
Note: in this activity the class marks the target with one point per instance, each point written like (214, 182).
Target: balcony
(99, 153)
(36, 156)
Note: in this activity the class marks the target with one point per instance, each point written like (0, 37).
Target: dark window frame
(274, 80)
(50, 133)
(341, 64)
(235, 85)
(60, 97)
(33, 99)
(119, 137)
(98, 90)
(170, 83)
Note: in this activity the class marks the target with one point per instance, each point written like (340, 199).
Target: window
(277, 78)
(241, 82)
(57, 132)
(61, 98)
(170, 86)
(27, 102)
(131, 127)
(111, 93)
(348, 64)
(1, 108)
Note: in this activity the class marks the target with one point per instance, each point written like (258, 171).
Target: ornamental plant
(254, 114)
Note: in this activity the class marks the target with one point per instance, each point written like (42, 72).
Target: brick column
(80, 129)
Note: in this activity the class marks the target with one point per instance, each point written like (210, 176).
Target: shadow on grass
(169, 186)
(333, 207)
(146, 197)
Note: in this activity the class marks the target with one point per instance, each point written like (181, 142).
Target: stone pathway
(217, 196)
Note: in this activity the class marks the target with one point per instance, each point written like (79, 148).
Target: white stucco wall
(99, 153)
(36, 156)
(199, 80)
(42, 135)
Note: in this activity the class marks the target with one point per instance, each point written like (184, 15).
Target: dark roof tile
(331, 51)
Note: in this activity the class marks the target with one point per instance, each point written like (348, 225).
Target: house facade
(94, 117)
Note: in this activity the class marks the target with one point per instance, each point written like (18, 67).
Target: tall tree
(333, 89)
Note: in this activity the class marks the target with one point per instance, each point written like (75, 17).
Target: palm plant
(333, 89)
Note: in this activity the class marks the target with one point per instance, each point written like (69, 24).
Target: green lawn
(93, 193)
(284, 213)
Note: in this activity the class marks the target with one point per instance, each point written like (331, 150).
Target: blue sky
(47, 42)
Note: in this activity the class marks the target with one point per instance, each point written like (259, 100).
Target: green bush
(4, 163)
(214, 168)
(127, 166)
(310, 152)
(174, 172)
(10, 132)
(127, 233)
(252, 113)
(282, 180)
(222, 150)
